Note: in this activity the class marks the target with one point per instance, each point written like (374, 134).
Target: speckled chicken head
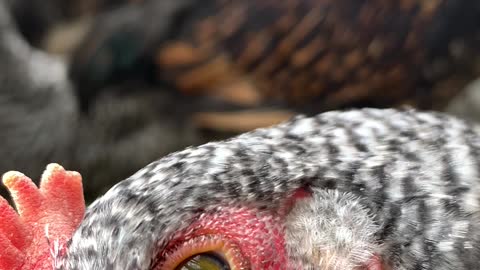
(361, 189)
(311, 229)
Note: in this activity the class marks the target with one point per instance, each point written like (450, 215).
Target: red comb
(46, 219)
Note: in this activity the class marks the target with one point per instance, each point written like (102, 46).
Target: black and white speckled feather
(416, 175)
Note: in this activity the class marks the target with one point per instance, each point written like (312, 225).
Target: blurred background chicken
(126, 82)
(309, 55)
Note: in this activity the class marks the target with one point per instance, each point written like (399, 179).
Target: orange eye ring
(213, 244)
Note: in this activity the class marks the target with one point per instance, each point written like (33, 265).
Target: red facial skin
(375, 263)
(253, 239)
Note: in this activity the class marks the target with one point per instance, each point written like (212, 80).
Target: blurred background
(105, 87)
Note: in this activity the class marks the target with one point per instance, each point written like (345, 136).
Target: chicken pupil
(204, 261)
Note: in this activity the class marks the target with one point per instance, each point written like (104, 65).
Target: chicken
(312, 55)
(359, 189)
(40, 121)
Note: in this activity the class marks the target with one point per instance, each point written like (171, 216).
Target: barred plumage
(415, 174)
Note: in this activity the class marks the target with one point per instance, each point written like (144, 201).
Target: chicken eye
(205, 252)
(231, 238)
(205, 261)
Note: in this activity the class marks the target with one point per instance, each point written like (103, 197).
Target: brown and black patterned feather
(314, 55)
